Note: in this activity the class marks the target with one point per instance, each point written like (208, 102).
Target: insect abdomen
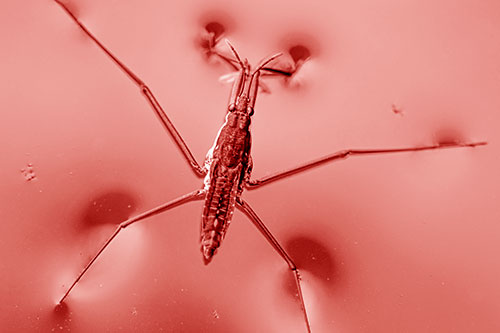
(218, 211)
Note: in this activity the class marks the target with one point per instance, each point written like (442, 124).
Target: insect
(228, 165)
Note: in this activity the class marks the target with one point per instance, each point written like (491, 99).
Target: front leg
(343, 154)
(148, 94)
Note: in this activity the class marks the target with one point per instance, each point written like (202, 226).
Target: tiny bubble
(355, 243)
(100, 285)
(129, 206)
(28, 172)
(442, 283)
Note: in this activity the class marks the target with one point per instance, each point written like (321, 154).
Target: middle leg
(343, 154)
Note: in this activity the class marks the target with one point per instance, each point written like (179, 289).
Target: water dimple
(312, 256)
(448, 136)
(299, 53)
(215, 28)
(111, 207)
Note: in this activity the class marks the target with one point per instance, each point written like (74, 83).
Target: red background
(406, 242)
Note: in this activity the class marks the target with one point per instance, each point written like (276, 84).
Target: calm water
(387, 243)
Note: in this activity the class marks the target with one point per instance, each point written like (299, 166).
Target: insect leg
(195, 195)
(236, 63)
(343, 154)
(245, 207)
(162, 116)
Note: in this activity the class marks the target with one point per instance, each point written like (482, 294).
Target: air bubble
(28, 172)
(215, 314)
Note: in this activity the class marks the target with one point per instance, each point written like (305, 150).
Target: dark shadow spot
(300, 45)
(299, 53)
(214, 25)
(61, 310)
(210, 36)
(61, 318)
(110, 207)
(448, 136)
(215, 28)
(313, 257)
(301, 48)
(309, 254)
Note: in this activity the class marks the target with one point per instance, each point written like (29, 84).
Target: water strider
(228, 165)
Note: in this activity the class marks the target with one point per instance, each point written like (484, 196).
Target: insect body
(228, 162)
(228, 165)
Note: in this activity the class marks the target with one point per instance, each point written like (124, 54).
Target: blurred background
(387, 243)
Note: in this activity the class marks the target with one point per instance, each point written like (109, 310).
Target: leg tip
(61, 308)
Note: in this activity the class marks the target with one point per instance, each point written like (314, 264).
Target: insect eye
(231, 107)
(250, 111)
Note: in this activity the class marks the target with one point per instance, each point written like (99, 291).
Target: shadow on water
(110, 207)
(311, 256)
(60, 318)
(448, 135)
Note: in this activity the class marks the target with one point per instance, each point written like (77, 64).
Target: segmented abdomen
(219, 207)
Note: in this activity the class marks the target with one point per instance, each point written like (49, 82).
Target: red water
(401, 243)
